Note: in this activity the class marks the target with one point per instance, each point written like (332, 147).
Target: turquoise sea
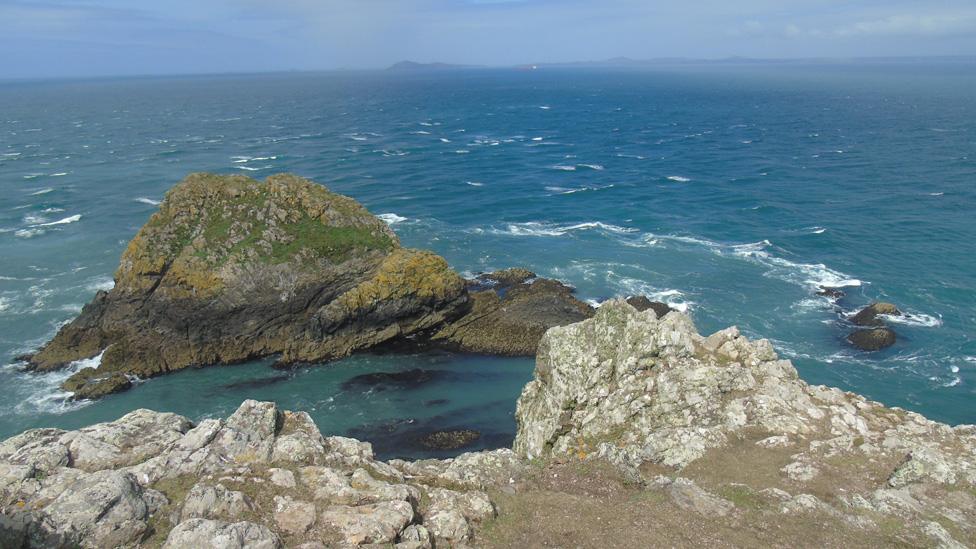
(730, 191)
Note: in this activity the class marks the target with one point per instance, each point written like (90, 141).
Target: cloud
(945, 24)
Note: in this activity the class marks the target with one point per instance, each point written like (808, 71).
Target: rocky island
(636, 431)
(231, 269)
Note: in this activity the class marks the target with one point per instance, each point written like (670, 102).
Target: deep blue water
(732, 191)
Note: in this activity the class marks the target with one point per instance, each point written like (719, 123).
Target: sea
(732, 192)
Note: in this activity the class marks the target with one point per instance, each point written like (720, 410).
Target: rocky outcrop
(714, 439)
(260, 478)
(231, 268)
(872, 340)
(509, 313)
(873, 314)
(654, 397)
(878, 336)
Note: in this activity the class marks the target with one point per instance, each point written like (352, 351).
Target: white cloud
(944, 24)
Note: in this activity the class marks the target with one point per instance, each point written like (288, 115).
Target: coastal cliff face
(231, 268)
(636, 432)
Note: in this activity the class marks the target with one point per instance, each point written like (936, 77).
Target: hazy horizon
(78, 38)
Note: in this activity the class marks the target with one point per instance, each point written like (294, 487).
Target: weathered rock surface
(231, 268)
(872, 340)
(647, 393)
(715, 435)
(871, 315)
(261, 478)
(509, 313)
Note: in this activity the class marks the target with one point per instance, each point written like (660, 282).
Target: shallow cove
(454, 392)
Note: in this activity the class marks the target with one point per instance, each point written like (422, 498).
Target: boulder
(231, 269)
(869, 316)
(509, 315)
(218, 534)
(872, 340)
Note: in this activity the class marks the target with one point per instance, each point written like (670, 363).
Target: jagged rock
(217, 534)
(103, 509)
(872, 340)
(509, 316)
(833, 293)
(642, 303)
(230, 269)
(89, 383)
(868, 316)
(450, 440)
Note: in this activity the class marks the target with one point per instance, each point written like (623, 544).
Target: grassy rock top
(209, 226)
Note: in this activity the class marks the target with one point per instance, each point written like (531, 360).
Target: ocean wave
(564, 168)
(536, 228)
(42, 191)
(391, 218)
(65, 221)
(149, 201)
(59, 174)
(475, 183)
(43, 393)
(564, 190)
(914, 319)
(678, 179)
(103, 283)
(28, 233)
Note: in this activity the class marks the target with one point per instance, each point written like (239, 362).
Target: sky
(52, 38)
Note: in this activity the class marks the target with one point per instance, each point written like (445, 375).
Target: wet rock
(89, 383)
(508, 277)
(450, 440)
(832, 293)
(642, 303)
(510, 320)
(869, 316)
(872, 340)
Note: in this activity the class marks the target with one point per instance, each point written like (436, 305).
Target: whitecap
(52, 210)
(42, 191)
(537, 138)
(391, 218)
(248, 168)
(475, 183)
(535, 228)
(4, 304)
(59, 174)
(445, 140)
(100, 284)
(564, 168)
(28, 233)
(149, 201)
(596, 167)
(462, 151)
(65, 221)
(44, 393)
(33, 175)
(420, 132)
(678, 179)
(914, 319)
(545, 107)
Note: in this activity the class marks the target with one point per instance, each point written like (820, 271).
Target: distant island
(413, 66)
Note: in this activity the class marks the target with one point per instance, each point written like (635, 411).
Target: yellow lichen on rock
(418, 273)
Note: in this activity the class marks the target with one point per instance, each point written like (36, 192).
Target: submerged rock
(231, 268)
(450, 440)
(406, 379)
(869, 316)
(833, 293)
(510, 316)
(872, 340)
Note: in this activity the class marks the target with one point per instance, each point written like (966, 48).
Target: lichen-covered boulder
(873, 313)
(873, 339)
(231, 268)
